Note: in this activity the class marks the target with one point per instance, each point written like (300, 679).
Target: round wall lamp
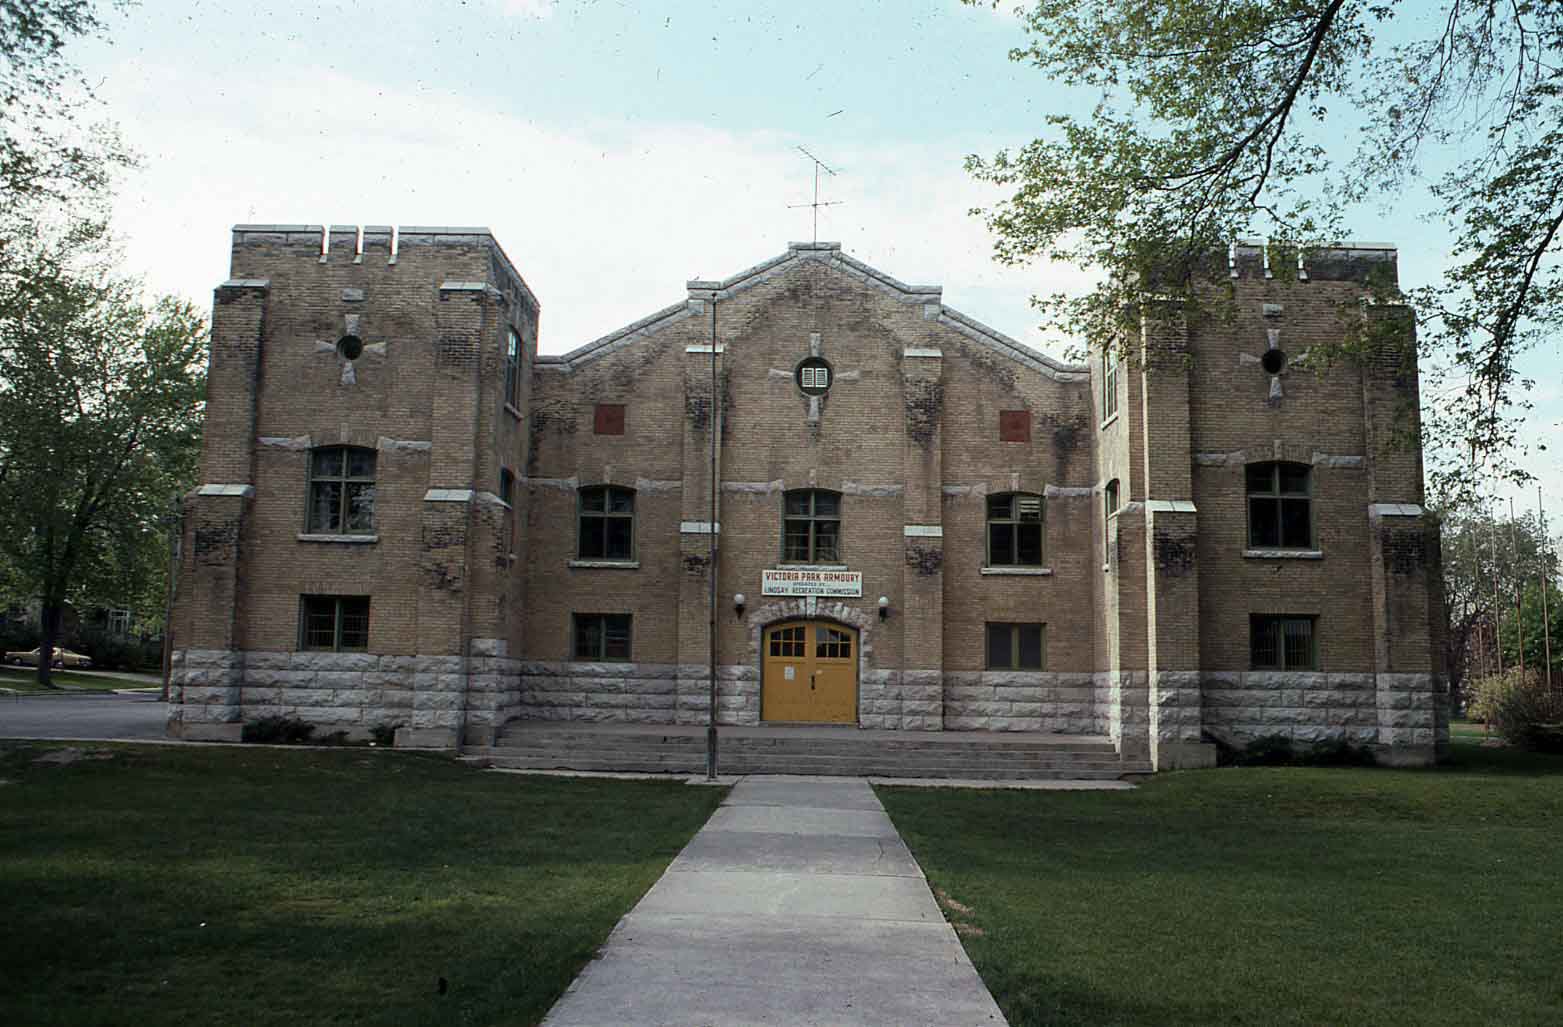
(738, 604)
(884, 607)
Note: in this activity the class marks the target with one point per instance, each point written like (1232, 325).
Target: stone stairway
(835, 751)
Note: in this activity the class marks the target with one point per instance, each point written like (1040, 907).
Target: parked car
(62, 658)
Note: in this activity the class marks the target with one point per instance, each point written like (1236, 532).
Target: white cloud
(606, 221)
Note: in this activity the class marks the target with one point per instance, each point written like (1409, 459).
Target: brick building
(410, 519)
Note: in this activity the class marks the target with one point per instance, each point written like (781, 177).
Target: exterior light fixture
(884, 607)
(738, 604)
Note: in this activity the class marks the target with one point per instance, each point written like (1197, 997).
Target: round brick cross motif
(813, 375)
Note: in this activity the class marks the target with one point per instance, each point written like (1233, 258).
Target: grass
(1261, 895)
(25, 679)
(1467, 730)
(212, 885)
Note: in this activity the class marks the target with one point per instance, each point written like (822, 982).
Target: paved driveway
(127, 717)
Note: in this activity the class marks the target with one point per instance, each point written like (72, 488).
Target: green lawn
(25, 679)
(1467, 730)
(164, 885)
(1260, 895)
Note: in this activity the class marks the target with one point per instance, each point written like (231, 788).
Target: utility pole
(1519, 586)
(714, 425)
(1476, 591)
(1546, 624)
(1497, 605)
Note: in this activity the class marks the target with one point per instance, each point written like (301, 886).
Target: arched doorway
(809, 673)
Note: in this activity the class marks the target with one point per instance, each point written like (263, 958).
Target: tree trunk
(51, 634)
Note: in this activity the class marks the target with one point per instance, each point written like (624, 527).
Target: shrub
(1281, 751)
(1520, 708)
(116, 652)
(277, 730)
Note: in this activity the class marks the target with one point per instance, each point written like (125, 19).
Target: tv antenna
(819, 166)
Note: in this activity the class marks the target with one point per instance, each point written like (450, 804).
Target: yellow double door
(810, 673)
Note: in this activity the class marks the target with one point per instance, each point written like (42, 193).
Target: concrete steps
(527, 745)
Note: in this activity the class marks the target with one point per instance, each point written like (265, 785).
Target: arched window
(1015, 530)
(513, 369)
(341, 491)
(1110, 383)
(607, 523)
(811, 527)
(1109, 522)
(1279, 507)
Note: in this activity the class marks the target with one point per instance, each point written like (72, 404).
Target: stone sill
(811, 567)
(1105, 424)
(358, 539)
(512, 411)
(622, 565)
(1283, 554)
(1019, 572)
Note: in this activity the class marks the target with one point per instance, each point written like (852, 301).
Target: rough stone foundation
(212, 693)
(991, 700)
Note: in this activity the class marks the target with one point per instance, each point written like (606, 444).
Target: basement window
(1282, 642)
(334, 623)
(1015, 646)
(601, 636)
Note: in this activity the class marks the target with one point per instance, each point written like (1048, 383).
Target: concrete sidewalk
(797, 903)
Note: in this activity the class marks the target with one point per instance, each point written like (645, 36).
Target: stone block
(339, 679)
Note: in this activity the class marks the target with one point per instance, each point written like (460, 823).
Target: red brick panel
(609, 419)
(1014, 426)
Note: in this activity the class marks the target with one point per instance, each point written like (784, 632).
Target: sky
(615, 149)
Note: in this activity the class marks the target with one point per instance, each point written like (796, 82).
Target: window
(1281, 643)
(602, 636)
(1109, 511)
(341, 491)
(1015, 646)
(1014, 426)
(334, 623)
(811, 527)
(789, 642)
(831, 644)
(607, 523)
(608, 419)
(507, 493)
(1015, 530)
(1109, 384)
(119, 622)
(513, 369)
(1278, 506)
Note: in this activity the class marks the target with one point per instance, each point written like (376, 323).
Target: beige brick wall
(465, 634)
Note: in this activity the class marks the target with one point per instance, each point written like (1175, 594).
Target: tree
(1488, 561)
(48, 155)
(100, 416)
(1220, 119)
(1522, 633)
